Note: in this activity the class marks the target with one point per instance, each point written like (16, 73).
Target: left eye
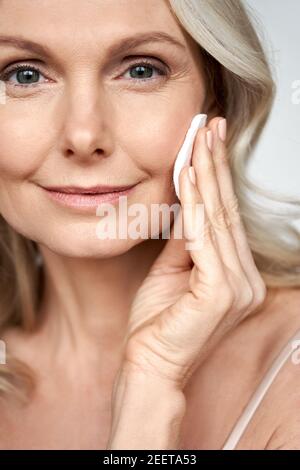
(143, 68)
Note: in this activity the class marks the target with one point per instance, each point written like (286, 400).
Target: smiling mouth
(87, 199)
(92, 190)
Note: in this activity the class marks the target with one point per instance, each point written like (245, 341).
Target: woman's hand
(192, 298)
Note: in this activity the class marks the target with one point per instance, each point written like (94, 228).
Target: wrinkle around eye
(177, 71)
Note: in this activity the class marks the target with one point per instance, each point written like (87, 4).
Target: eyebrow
(121, 46)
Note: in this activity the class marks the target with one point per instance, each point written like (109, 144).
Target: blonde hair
(239, 79)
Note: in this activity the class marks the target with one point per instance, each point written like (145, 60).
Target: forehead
(81, 19)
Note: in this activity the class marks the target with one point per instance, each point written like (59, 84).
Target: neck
(86, 302)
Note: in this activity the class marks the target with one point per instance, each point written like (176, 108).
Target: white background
(276, 161)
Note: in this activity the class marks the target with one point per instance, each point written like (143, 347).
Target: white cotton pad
(184, 155)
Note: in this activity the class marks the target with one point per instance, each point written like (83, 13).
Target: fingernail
(192, 175)
(222, 129)
(209, 139)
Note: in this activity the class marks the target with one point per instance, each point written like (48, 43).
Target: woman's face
(90, 115)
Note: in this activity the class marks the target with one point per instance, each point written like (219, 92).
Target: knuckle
(208, 231)
(220, 219)
(247, 297)
(228, 300)
(233, 209)
(226, 295)
(222, 158)
(260, 294)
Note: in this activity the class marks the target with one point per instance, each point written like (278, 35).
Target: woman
(103, 336)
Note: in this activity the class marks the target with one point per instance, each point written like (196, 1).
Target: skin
(49, 135)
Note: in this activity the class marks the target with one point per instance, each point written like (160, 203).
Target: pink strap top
(258, 395)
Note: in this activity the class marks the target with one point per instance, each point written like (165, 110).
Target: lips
(86, 199)
(99, 189)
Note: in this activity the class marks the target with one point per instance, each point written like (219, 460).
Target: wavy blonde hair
(241, 88)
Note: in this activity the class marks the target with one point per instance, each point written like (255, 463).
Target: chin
(98, 249)
(83, 243)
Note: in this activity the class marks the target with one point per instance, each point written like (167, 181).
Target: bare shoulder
(279, 412)
(286, 434)
(236, 368)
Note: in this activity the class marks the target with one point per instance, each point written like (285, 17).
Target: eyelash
(7, 74)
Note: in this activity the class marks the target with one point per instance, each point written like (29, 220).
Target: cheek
(23, 140)
(156, 145)
(153, 147)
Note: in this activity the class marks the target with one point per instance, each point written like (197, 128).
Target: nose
(83, 131)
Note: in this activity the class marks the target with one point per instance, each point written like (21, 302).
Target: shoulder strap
(243, 421)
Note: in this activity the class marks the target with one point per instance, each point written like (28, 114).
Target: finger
(199, 236)
(208, 187)
(231, 203)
